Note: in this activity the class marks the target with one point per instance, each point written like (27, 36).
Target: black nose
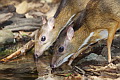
(35, 57)
(51, 65)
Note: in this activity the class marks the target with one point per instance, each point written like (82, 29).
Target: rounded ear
(44, 20)
(70, 33)
(51, 22)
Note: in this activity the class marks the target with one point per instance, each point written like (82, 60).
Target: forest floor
(16, 27)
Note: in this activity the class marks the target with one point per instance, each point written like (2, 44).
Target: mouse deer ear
(44, 20)
(51, 22)
(70, 33)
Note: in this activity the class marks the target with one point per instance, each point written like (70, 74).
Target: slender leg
(109, 41)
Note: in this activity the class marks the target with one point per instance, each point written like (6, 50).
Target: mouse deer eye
(43, 38)
(61, 49)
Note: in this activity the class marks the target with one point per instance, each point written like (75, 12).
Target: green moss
(6, 52)
(69, 74)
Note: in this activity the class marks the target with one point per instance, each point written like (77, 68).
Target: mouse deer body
(101, 21)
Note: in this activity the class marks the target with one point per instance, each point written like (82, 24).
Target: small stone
(6, 36)
(94, 57)
(22, 8)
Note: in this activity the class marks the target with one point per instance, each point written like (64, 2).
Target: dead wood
(25, 28)
(19, 52)
(5, 16)
(18, 24)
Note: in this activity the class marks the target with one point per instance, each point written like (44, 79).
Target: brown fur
(72, 7)
(100, 15)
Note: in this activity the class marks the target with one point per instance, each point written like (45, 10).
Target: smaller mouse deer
(101, 21)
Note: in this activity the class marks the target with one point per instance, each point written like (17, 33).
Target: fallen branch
(5, 16)
(25, 28)
(18, 24)
(19, 52)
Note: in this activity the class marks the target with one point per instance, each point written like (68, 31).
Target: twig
(19, 52)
